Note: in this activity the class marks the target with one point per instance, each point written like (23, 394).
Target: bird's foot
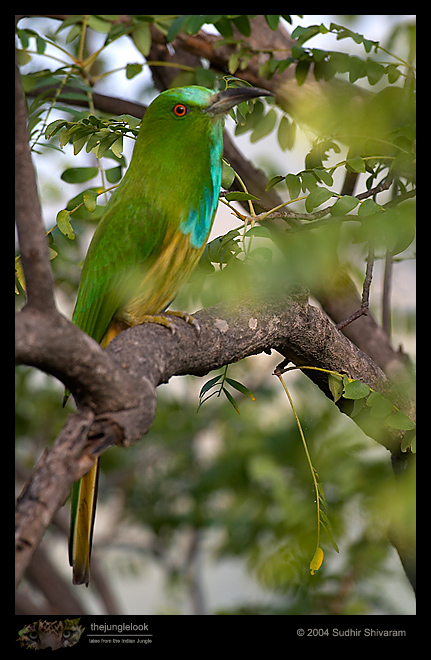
(188, 318)
(162, 320)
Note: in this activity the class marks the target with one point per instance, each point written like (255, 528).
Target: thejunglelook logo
(50, 634)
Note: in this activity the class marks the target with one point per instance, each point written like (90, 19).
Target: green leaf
(63, 223)
(74, 32)
(368, 44)
(99, 25)
(303, 34)
(400, 227)
(176, 26)
(273, 181)
(317, 197)
(224, 26)
(231, 400)
(286, 133)
(128, 119)
(328, 529)
(336, 386)
(240, 387)
(409, 442)
(324, 176)
(251, 119)
(90, 200)
(63, 137)
(374, 71)
(205, 77)
(209, 384)
(293, 183)
(79, 174)
(242, 24)
(113, 174)
(103, 145)
(239, 196)
(355, 389)
(301, 71)
(309, 181)
(357, 69)
(233, 61)
(54, 127)
(259, 232)
(223, 248)
(78, 143)
(272, 20)
(400, 421)
(369, 207)
(117, 147)
(356, 164)
(142, 39)
(133, 70)
(22, 57)
(393, 73)
(380, 407)
(23, 35)
(262, 254)
(265, 126)
(344, 205)
(195, 23)
(358, 406)
(227, 175)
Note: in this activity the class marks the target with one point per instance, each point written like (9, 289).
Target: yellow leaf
(19, 273)
(317, 560)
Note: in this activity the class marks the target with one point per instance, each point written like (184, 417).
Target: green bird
(149, 240)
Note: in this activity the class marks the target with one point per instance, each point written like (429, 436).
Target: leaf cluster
(246, 490)
(97, 135)
(219, 384)
(325, 64)
(104, 138)
(191, 24)
(372, 408)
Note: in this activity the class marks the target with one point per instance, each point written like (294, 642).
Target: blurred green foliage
(243, 479)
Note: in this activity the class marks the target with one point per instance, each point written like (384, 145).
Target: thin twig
(276, 213)
(386, 295)
(365, 301)
(384, 185)
(387, 282)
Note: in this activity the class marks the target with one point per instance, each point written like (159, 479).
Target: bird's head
(184, 104)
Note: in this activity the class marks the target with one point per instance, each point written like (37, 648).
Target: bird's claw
(188, 318)
(162, 320)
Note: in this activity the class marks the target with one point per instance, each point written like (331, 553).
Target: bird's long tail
(83, 511)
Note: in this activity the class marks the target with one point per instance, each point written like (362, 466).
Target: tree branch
(31, 231)
(148, 355)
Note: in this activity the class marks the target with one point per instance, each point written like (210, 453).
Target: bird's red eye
(180, 110)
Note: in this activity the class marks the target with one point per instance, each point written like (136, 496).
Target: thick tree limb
(144, 357)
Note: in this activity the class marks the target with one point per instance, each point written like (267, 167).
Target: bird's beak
(225, 100)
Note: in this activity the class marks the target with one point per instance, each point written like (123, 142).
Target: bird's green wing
(127, 236)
